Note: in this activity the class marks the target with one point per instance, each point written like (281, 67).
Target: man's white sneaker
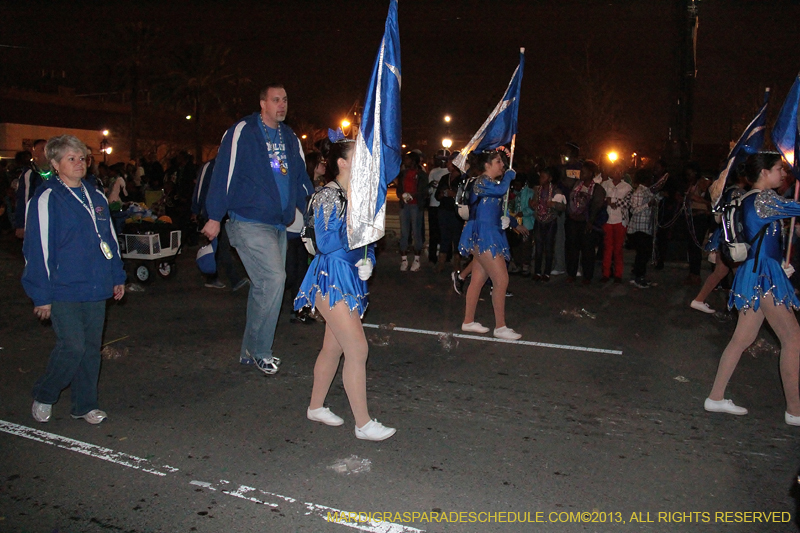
(324, 415)
(723, 406)
(702, 307)
(374, 430)
(415, 265)
(41, 411)
(404, 264)
(95, 416)
(474, 327)
(507, 334)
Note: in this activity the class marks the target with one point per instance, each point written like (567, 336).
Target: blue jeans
(262, 248)
(75, 361)
(411, 223)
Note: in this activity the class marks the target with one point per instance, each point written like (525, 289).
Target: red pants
(614, 237)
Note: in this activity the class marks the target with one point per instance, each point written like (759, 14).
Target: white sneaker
(324, 415)
(41, 411)
(702, 307)
(415, 265)
(95, 416)
(507, 333)
(791, 419)
(374, 430)
(557, 272)
(724, 406)
(474, 327)
(404, 264)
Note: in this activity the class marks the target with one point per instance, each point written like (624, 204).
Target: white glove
(407, 197)
(505, 222)
(788, 268)
(364, 269)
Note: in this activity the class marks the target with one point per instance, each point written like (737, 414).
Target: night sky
(458, 56)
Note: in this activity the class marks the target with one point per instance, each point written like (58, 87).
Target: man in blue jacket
(260, 182)
(29, 181)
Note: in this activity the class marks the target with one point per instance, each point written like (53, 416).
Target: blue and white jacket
(63, 260)
(243, 182)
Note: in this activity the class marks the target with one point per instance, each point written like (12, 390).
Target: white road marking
(92, 450)
(492, 339)
(242, 491)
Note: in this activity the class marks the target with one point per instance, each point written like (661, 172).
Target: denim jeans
(262, 248)
(75, 361)
(411, 224)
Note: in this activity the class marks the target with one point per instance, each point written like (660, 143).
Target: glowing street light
(447, 143)
(613, 156)
(188, 117)
(447, 118)
(105, 133)
(108, 150)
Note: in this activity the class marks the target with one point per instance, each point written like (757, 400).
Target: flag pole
(511, 157)
(791, 224)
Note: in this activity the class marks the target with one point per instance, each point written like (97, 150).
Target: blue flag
(377, 158)
(750, 142)
(784, 134)
(501, 125)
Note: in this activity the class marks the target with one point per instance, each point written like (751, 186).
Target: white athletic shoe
(507, 334)
(474, 327)
(324, 415)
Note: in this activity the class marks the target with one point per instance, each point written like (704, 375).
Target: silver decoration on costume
(327, 201)
(769, 204)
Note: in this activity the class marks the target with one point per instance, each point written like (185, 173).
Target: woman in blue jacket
(72, 266)
(761, 288)
(336, 285)
(484, 237)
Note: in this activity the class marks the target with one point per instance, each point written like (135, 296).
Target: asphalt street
(576, 439)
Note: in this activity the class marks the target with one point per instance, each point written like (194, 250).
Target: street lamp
(105, 146)
(447, 119)
(613, 156)
(447, 143)
(345, 125)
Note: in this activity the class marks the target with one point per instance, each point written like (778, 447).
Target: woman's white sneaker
(95, 416)
(723, 406)
(791, 419)
(474, 327)
(374, 430)
(41, 411)
(702, 307)
(507, 334)
(324, 415)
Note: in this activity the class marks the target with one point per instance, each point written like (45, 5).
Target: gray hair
(57, 147)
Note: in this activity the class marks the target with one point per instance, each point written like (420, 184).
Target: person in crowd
(435, 252)
(526, 211)
(315, 168)
(547, 202)
(224, 254)
(450, 223)
(667, 207)
(117, 190)
(618, 194)
(484, 237)
(640, 227)
(585, 201)
(36, 171)
(412, 190)
(761, 288)
(736, 187)
(336, 285)
(699, 203)
(261, 201)
(72, 266)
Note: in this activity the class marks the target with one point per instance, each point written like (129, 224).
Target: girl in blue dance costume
(761, 288)
(484, 237)
(336, 285)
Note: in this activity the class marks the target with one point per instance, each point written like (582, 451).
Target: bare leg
(325, 368)
(495, 267)
(746, 332)
(479, 277)
(784, 324)
(720, 271)
(349, 333)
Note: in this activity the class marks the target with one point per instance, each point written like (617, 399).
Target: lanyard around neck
(89, 208)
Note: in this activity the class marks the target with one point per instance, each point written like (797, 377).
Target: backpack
(733, 244)
(308, 233)
(462, 197)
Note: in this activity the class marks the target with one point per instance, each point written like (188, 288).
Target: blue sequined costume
(764, 209)
(333, 271)
(483, 229)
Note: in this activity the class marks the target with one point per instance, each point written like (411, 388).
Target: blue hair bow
(336, 135)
